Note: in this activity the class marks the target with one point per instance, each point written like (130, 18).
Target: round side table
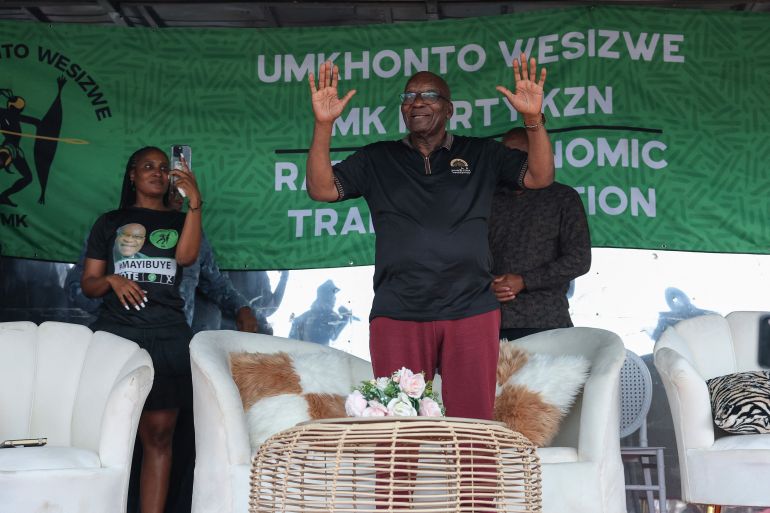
(424, 464)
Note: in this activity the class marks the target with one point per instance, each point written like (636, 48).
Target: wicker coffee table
(420, 464)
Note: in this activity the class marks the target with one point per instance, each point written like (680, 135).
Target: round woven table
(437, 464)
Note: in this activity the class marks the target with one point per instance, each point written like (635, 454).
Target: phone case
(178, 151)
(763, 345)
(24, 442)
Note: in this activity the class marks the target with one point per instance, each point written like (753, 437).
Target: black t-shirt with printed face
(140, 244)
(432, 259)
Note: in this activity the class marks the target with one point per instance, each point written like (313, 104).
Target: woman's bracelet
(190, 208)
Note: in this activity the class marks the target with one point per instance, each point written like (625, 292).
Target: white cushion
(742, 442)
(557, 454)
(47, 458)
(579, 487)
(735, 477)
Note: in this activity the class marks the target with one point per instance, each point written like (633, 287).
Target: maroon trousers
(463, 351)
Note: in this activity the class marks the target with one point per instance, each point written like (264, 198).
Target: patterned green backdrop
(660, 118)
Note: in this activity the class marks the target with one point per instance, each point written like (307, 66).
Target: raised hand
(528, 98)
(327, 106)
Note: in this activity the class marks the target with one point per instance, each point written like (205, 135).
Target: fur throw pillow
(536, 390)
(279, 390)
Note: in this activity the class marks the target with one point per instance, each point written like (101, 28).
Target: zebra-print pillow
(741, 402)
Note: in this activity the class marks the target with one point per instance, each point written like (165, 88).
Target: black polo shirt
(432, 259)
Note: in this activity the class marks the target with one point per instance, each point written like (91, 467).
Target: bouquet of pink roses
(404, 394)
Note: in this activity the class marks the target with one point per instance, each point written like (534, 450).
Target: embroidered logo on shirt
(459, 167)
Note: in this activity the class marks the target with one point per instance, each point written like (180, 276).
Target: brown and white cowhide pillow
(536, 390)
(279, 390)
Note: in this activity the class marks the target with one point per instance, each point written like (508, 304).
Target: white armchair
(82, 391)
(715, 470)
(582, 468)
(223, 451)
(582, 471)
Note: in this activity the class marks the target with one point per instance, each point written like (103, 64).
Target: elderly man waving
(429, 195)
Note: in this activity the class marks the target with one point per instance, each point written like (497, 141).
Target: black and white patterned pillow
(740, 402)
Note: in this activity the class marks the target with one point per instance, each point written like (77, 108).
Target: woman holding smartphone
(134, 262)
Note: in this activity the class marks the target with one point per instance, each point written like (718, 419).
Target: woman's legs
(156, 431)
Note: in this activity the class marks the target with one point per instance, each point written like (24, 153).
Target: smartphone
(177, 152)
(24, 442)
(763, 345)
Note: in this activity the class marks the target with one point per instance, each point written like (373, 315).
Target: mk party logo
(31, 116)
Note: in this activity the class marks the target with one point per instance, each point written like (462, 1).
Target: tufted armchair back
(55, 380)
(716, 345)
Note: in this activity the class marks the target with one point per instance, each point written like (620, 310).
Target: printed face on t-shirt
(130, 239)
(158, 267)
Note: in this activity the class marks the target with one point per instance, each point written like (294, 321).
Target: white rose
(401, 406)
(382, 383)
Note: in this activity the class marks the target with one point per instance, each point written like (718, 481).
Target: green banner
(659, 118)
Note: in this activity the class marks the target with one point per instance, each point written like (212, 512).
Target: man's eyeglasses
(428, 97)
